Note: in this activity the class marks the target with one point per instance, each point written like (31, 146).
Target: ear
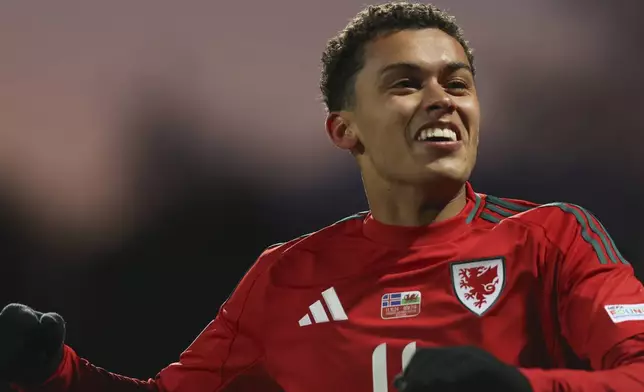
(339, 129)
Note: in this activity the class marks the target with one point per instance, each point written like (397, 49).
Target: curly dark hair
(343, 56)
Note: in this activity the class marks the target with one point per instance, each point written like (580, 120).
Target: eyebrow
(452, 66)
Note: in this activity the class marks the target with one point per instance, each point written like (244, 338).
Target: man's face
(416, 113)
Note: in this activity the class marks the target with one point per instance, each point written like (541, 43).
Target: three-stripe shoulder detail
(592, 230)
(475, 210)
(496, 209)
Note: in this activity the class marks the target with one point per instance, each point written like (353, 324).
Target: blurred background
(150, 150)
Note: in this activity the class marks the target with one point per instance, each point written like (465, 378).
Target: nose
(437, 101)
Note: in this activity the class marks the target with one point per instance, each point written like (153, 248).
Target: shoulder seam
(264, 268)
(358, 215)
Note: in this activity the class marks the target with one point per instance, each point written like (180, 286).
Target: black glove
(31, 344)
(459, 369)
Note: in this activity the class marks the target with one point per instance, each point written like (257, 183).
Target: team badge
(478, 284)
(400, 305)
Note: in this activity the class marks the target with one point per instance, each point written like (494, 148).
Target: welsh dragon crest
(478, 284)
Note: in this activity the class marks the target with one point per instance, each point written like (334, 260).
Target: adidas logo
(319, 313)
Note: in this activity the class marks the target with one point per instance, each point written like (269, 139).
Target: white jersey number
(379, 365)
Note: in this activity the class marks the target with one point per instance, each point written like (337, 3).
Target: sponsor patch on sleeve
(621, 313)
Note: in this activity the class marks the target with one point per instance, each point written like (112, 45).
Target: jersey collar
(444, 231)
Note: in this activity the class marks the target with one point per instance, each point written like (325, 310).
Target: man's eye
(407, 83)
(457, 85)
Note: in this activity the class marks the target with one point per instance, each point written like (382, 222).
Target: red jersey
(344, 308)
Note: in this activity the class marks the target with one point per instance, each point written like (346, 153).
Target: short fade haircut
(343, 56)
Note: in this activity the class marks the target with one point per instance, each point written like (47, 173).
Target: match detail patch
(400, 305)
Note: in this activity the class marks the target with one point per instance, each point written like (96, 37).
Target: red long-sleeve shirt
(540, 287)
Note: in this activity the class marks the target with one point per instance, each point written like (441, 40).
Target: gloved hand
(459, 369)
(31, 344)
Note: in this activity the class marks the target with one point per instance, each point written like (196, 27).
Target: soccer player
(461, 290)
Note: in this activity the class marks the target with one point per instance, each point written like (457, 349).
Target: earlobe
(340, 132)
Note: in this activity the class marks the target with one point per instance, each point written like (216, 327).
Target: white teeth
(426, 134)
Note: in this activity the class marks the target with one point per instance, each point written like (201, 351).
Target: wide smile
(444, 135)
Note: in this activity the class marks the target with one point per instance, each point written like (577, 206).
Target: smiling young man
(461, 290)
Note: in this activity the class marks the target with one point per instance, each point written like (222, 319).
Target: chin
(444, 171)
(438, 177)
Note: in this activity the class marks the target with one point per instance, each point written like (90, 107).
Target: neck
(412, 204)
